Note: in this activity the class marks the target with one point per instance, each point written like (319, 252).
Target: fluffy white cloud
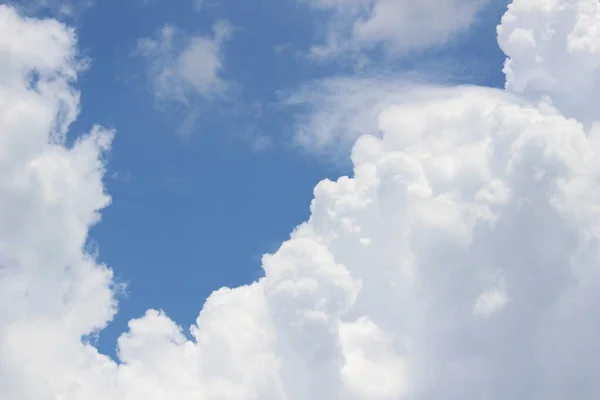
(554, 50)
(400, 25)
(51, 291)
(333, 113)
(183, 65)
(460, 260)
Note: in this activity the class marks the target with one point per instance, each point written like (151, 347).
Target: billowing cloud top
(554, 49)
(459, 262)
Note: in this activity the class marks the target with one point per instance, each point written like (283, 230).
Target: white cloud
(60, 8)
(554, 50)
(51, 291)
(374, 297)
(201, 4)
(182, 65)
(398, 25)
(338, 111)
(334, 112)
(490, 302)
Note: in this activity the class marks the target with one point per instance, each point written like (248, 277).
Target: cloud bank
(459, 261)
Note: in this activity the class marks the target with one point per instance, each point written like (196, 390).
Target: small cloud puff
(182, 65)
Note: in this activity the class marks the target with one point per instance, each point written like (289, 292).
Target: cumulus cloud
(554, 51)
(51, 291)
(398, 25)
(182, 65)
(460, 260)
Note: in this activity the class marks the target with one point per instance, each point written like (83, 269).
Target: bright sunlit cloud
(459, 261)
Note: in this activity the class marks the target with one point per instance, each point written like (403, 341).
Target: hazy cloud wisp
(398, 25)
(182, 65)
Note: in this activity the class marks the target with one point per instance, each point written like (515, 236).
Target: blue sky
(192, 213)
(400, 209)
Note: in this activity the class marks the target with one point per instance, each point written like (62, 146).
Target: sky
(302, 199)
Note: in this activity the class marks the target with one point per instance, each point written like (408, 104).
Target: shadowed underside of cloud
(460, 260)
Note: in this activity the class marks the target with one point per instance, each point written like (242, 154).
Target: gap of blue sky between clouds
(460, 259)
